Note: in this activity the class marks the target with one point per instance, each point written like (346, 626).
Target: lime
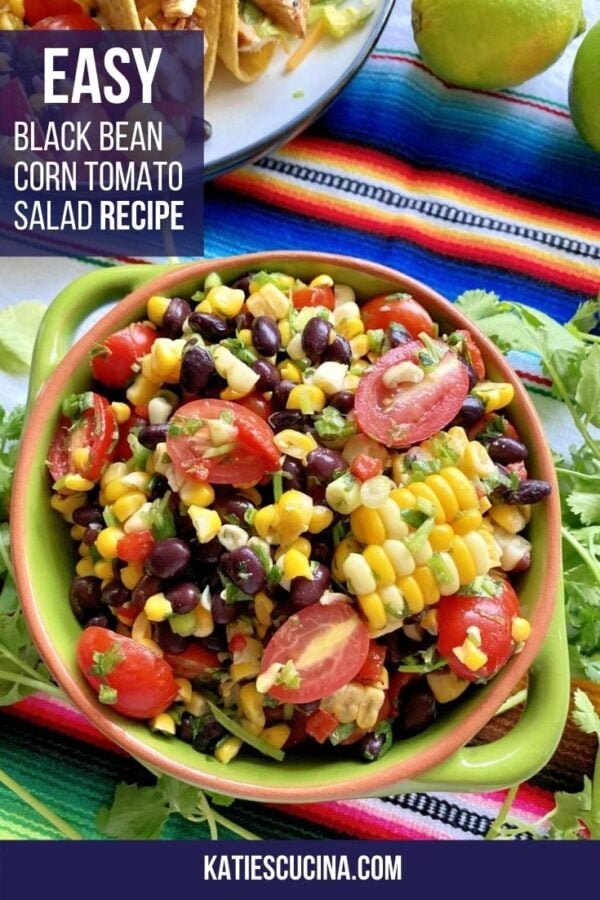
(492, 44)
(584, 89)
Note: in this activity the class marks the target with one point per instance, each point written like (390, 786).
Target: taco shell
(244, 59)
(120, 15)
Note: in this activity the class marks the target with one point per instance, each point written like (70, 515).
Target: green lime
(584, 88)
(492, 44)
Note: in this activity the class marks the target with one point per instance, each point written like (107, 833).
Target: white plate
(250, 119)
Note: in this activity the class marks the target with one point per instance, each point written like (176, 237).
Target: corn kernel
(412, 593)
(308, 398)
(285, 332)
(227, 749)
(463, 489)
(158, 608)
(380, 565)
(347, 546)
(276, 735)
(367, 526)
(85, 567)
(463, 560)
(427, 585)
(520, 630)
(122, 412)
(107, 540)
(470, 520)
(321, 518)
(358, 575)
(204, 307)
(373, 610)
(251, 704)
(294, 443)
(142, 390)
(441, 537)
(350, 328)
(128, 504)
(476, 461)
(198, 705)
(321, 281)
(77, 532)
(403, 498)
(263, 608)
(184, 693)
(359, 346)
(296, 565)
(131, 575)
(470, 656)
(204, 622)
(67, 504)
(511, 518)
(290, 372)
(263, 521)
(495, 394)
(84, 550)
(163, 724)
(243, 671)
(196, 493)
(166, 360)
(77, 483)
(104, 569)
(156, 309)
(226, 301)
(206, 523)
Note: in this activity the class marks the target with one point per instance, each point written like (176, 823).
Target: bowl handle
(73, 305)
(520, 754)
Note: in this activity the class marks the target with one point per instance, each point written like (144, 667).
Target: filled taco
(250, 32)
(172, 15)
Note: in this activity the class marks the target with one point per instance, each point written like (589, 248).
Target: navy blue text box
(101, 142)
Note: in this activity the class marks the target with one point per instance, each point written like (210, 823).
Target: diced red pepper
(237, 643)
(364, 467)
(135, 547)
(321, 725)
(372, 666)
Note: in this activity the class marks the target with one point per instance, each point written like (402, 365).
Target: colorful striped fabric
(457, 188)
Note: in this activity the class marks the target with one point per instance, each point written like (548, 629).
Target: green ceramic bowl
(44, 563)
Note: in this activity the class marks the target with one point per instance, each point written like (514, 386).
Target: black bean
(237, 506)
(529, 491)
(315, 338)
(310, 707)
(92, 532)
(473, 377)
(243, 284)
(196, 368)
(325, 465)
(243, 320)
(289, 418)
(281, 392)
(472, 410)
(316, 492)
(265, 336)
(100, 621)
(158, 487)
(418, 708)
(183, 597)
(212, 328)
(343, 400)
(214, 386)
(209, 552)
(217, 641)
(222, 613)
(115, 593)
(321, 552)
(269, 375)
(88, 515)
(295, 470)
(206, 130)
(245, 569)
(146, 587)
(177, 312)
(304, 592)
(151, 435)
(185, 729)
(371, 745)
(168, 641)
(168, 557)
(506, 450)
(338, 351)
(397, 335)
(85, 597)
(210, 733)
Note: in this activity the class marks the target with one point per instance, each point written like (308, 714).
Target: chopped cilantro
(75, 405)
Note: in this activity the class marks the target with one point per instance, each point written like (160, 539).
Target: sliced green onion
(223, 450)
(417, 540)
(277, 486)
(440, 570)
(240, 732)
(341, 733)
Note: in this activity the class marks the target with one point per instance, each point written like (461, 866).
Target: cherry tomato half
(70, 22)
(328, 646)
(317, 296)
(400, 308)
(112, 360)
(144, 683)
(493, 617)
(195, 662)
(411, 412)
(35, 10)
(242, 458)
(123, 451)
(472, 353)
(94, 429)
(258, 404)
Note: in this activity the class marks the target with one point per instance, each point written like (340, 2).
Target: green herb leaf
(18, 329)
(240, 732)
(588, 394)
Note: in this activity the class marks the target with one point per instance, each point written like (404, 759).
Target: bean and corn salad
(296, 517)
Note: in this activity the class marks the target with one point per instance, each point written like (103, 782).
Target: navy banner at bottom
(230, 869)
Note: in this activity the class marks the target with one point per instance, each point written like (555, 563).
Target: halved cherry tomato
(93, 429)
(42, 9)
(400, 308)
(112, 359)
(321, 725)
(143, 682)
(123, 451)
(195, 662)
(493, 617)
(328, 646)
(472, 353)
(242, 459)
(258, 404)
(318, 296)
(70, 22)
(411, 412)
(373, 664)
(364, 467)
(135, 547)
